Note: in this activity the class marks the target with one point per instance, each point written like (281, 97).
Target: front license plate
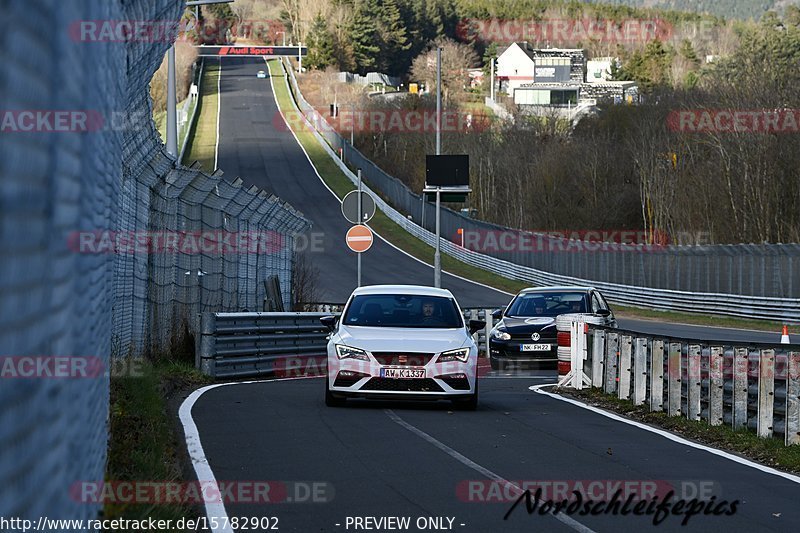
(403, 373)
(535, 348)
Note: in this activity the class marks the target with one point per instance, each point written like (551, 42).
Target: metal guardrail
(235, 345)
(742, 306)
(741, 385)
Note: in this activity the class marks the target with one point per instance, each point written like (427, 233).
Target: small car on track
(261, 74)
(526, 331)
(402, 342)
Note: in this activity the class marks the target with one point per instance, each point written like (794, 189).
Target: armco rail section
(736, 384)
(744, 281)
(235, 345)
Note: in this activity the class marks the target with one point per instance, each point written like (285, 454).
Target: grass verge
(341, 185)
(203, 135)
(771, 452)
(144, 440)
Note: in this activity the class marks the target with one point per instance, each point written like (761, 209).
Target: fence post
(598, 351)
(639, 371)
(792, 400)
(715, 385)
(624, 391)
(657, 376)
(204, 360)
(612, 355)
(694, 386)
(674, 377)
(739, 388)
(766, 392)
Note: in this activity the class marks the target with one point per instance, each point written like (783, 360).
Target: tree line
(631, 167)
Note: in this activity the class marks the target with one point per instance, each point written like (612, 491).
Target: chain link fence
(764, 270)
(97, 178)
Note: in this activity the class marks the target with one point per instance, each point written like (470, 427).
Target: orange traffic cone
(785, 335)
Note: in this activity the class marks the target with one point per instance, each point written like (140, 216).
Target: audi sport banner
(252, 51)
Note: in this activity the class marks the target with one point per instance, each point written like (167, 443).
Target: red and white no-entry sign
(359, 238)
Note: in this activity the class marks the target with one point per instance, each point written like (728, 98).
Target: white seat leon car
(402, 342)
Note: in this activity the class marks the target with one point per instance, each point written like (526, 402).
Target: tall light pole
(491, 80)
(172, 97)
(437, 256)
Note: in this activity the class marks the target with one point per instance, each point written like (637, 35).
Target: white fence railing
(740, 385)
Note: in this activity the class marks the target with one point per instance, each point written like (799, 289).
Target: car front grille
(403, 358)
(526, 339)
(402, 385)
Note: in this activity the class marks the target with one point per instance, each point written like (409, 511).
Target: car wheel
(495, 363)
(330, 399)
(468, 404)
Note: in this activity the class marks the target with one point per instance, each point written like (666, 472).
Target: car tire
(468, 404)
(495, 363)
(330, 399)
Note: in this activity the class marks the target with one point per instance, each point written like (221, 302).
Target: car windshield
(547, 304)
(403, 311)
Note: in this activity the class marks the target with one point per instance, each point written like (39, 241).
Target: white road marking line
(564, 519)
(667, 435)
(195, 449)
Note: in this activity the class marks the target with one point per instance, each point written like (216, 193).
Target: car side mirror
(475, 326)
(603, 312)
(329, 322)
(497, 314)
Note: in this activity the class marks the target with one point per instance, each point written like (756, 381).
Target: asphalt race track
(256, 146)
(378, 459)
(328, 466)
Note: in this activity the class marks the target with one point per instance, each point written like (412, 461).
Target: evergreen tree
(394, 40)
(320, 44)
(364, 36)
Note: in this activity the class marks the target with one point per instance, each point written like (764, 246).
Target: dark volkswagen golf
(526, 331)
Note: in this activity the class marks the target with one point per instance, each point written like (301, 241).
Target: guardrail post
(694, 386)
(473, 315)
(598, 351)
(625, 347)
(739, 388)
(489, 326)
(766, 393)
(716, 385)
(611, 360)
(204, 360)
(792, 398)
(657, 376)
(674, 377)
(639, 371)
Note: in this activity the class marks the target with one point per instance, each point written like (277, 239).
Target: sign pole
(491, 81)
(300, 56)
(437, 258)
(359, 216)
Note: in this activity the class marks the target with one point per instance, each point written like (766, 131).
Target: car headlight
(501, 334)
(461, 355)
(348, 352)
